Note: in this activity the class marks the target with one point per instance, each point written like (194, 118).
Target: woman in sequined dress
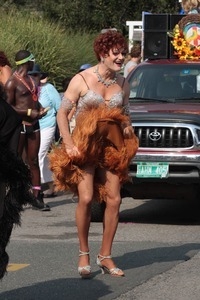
(93, 160)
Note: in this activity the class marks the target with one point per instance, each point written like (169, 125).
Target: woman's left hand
(128, 132)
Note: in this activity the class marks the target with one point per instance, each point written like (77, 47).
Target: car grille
(169, 137)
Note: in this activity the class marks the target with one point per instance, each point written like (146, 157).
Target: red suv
(165, 112)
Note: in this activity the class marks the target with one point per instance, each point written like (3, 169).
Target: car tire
(97, 211)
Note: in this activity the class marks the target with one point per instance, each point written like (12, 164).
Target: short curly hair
(104, 42)
(4, 60)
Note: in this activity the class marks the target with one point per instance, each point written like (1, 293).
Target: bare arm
(6, 73)
(65, 111)
(20, 107)
(63, 125)
(128, 130)
(10, 89)
(10, 92)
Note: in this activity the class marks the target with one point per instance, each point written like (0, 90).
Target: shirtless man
(22, 95)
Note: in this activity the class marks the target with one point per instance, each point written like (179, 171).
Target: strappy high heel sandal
(85, 271)
(113, 271)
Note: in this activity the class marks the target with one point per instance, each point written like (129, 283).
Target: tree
(93, 15)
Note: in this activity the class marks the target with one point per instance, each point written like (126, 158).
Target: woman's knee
(114, 201)
(85, 199)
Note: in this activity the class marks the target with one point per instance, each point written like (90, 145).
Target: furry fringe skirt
(15, 191)
(99, 137)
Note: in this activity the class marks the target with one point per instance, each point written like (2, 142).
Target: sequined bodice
(92, 97)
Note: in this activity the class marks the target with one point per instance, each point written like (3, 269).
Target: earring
(102, 59)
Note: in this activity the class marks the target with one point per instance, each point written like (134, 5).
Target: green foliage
(97, 14)
(57, 51)
(93, 15)
(61, 34)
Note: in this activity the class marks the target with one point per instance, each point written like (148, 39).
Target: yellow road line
(16, 267)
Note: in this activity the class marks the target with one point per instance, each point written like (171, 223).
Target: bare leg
(83, 213)
(32, 150)
(111, 216)
(33, 144)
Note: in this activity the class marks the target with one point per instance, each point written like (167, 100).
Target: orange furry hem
(96, 149)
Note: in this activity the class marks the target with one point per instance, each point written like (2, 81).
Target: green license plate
(156, 170)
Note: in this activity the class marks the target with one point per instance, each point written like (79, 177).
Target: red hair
(104, 42)
(4, 60)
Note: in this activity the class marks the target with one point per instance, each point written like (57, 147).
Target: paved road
(157, 245)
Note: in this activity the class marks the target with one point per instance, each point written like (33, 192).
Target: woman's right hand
(72, 151)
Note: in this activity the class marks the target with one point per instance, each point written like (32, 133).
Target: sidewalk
(180, 283)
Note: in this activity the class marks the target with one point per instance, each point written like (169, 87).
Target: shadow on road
(136, 263)
(60, 289)
(156, 211)
(145, 257)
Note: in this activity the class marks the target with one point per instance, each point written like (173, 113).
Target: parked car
(165, 113)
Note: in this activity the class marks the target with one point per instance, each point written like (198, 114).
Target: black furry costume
(15, 191)
(15, 178)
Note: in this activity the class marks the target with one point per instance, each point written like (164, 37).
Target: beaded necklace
(104, 82)
(33, 90)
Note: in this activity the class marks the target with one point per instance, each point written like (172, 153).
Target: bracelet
(29, 111)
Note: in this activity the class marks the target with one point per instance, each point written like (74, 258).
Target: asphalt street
(160, 261)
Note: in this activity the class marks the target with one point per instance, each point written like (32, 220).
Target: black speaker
(173, 20)
(156, 40)
(156, 22)
(155, 45)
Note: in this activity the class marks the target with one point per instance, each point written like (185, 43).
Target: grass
(58, 51)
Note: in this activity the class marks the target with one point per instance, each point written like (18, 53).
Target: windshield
(165, 83)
